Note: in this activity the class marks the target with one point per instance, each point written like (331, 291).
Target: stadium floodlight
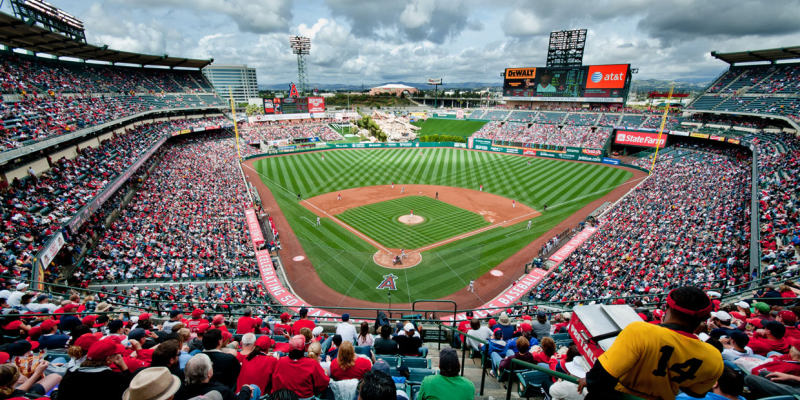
(47, 16)
(301, 46)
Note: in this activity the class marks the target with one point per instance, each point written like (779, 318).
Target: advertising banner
(606, 76)
(254, 227)
(316, 104)
(612, 161)
(679, 133)
(582, 157)
(509, 296)
(717, 138)
(53, 246)
(641, 139)
(592, 152)
(699, 135)
(733, 141)
(573, 244)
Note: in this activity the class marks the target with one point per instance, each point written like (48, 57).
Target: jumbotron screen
(584, 83)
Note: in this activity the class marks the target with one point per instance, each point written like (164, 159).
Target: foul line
(348, 227)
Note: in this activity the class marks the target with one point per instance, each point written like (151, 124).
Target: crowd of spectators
(545, 134)
(49, 98)
(287, 130)
(184, 223)
(36, 206)
(686, 224)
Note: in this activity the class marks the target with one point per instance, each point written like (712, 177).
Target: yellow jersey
(655, 362)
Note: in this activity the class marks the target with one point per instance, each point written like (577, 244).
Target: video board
(584, 83)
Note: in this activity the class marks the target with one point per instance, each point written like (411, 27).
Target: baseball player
(530, 222)
(471, 287)
(481, 188)
(339, 197)
(437, 195)
(658, 361)
(392, 184)
(402, 189)
(318, 223)
(513, 204)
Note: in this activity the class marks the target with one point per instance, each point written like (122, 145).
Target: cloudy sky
(460, 40)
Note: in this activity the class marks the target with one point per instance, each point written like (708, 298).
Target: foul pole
(235, 125)
(661, 129)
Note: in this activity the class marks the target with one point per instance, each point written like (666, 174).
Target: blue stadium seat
(393, 361)
(418, 374)
(415, 362)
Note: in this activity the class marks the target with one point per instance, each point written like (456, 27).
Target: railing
(465, 348)
(550, 372)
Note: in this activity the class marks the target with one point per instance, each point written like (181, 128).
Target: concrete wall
(68, 153)
(39, 166)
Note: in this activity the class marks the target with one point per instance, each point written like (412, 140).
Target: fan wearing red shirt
(303, 322)
(257, 367)
(302, 375)
(284, 327)
(771, 338)
(347, 365)
(248, 324)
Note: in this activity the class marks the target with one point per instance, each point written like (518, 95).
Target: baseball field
(358, 223)
(442, 126)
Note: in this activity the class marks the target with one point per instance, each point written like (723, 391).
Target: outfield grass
(344, 261)
(442, 221)
(456, 127)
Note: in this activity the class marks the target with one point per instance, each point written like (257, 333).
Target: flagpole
(661, 129)
(235, 126)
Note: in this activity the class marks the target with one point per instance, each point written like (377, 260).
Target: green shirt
(446, 387)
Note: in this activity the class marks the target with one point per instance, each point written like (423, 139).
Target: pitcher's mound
(409, 219)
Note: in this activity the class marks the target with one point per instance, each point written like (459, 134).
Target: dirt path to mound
(308, 286)
(496, 210)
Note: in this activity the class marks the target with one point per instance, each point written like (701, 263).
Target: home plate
(301, 258)
(496, 272)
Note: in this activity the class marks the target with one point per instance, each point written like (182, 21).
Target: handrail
(550, 372)
(464, 348)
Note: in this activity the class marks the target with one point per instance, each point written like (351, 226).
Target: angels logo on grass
(389, 282)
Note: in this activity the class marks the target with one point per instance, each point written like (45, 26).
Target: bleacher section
(760, 89)
(45, 98)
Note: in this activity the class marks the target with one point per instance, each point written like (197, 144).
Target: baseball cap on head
(761, 307)
(345, 317)
(103, 349)
(742, 304)
(721, 315)
(788, 317)
(297, 342)
(408, 327)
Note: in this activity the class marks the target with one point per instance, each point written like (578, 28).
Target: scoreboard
(592, 83)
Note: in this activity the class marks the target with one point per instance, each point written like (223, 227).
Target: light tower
(301, 46)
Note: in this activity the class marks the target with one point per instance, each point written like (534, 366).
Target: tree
(253, 109)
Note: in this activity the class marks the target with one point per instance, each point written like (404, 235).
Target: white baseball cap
(408, 327)
(742, 304)
(22, 286)
(721, 315)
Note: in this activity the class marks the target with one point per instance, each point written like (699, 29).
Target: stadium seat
(415, 362)
(393, 361)
(416, 375)
(533, 383)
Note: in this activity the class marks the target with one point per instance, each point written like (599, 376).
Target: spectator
(152, 384)
(377, 385)
(479, 331)
(226, 367)
(347, 365)
(541, 327)
(409, 343)
(735, 346)
(385, 344)
(346, 330)
(199, 371)
(523, 354)
(769, 339)
(297, 373)
(303, 322)
(730, 385)
(96, 373)
(258, 366)
(447, 384)
(647, 347)
(364, 337)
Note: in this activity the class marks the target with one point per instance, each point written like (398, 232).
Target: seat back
(415, 362)
(393, 361)
(416, 375)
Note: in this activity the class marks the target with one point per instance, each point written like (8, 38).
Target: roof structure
(16, 33)
(771, 55)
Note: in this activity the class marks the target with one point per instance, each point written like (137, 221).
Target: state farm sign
(642, 139)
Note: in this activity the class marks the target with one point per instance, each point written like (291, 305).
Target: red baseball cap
(527, 317)
(4, 357)
(89, 320)
(285, 317)
(227, 336)
(86, 340)
(48, 324)
(525, 327)
(36, 330)
(144, 316)
(197, 313)
(218, 319)
(12, 325)
(264, 342)
(202, 328)
(788, 317)
(103, 349)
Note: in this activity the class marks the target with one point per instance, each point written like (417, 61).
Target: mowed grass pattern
(344, 261)
(456, 127)
(442, 221)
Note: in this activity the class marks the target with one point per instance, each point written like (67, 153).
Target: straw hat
(503, 320)
(155, 383)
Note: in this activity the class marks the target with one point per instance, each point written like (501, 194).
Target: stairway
(493, 390)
